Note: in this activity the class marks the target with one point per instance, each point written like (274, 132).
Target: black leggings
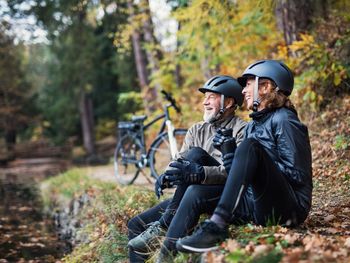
(273, 198)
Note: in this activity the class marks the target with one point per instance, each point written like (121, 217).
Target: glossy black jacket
(286, 140)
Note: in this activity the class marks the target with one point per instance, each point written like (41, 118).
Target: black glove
(186, 172)
(227, 160)
(165, 180)
(224, 142)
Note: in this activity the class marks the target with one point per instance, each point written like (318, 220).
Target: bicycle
(131, 155)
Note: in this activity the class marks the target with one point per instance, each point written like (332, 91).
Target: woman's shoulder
(284, 114)
(284, 117)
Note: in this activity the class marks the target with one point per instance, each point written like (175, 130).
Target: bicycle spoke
(126, 158)
(148, 178)
(160, 153)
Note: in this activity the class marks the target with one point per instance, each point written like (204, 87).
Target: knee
(195, 154)
(194, 195)
(192, 191)
(134, 227)
(201, 157)
(133, 223)
(247, 144)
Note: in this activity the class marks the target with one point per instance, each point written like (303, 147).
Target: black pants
(272, 198)
(255, 190)
(166, 210)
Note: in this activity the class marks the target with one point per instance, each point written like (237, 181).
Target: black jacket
(286, 140)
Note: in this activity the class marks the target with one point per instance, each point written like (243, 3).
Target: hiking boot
(206, 237)
(148, 239)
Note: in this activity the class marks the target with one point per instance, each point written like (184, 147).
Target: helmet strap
(222, 101)
(256, 100)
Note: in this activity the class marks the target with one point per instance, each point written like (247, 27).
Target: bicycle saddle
(139, 118)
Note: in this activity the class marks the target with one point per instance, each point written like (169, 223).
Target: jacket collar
(260, 115)
(222, 122)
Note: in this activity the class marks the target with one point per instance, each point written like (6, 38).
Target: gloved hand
(186, 172)
(165, 180)
(227, 160)
(224, 142)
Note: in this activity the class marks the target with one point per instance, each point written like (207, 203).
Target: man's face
(211, 105)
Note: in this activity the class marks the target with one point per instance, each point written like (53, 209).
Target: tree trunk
(178, 77)
(293, 17)
(140, 59)
(87, 123)
(146, 60)
(10, 139)
(153, 53)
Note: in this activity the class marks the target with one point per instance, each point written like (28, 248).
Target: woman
(270, 175)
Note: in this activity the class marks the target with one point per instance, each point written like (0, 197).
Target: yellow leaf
(337, 79)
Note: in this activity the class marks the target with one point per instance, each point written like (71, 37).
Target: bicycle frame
(141, 133)
(131, 151)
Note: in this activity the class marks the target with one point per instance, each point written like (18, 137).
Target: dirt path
(106, 173)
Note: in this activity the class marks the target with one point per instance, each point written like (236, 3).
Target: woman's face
(248, 92)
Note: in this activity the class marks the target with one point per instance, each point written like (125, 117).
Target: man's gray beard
(209, 117)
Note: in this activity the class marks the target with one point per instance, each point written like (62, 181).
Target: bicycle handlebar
(169, 98)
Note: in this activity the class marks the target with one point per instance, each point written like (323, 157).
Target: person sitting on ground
(270, 174)
(199, 163)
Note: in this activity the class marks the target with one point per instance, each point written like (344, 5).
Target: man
(199, 163)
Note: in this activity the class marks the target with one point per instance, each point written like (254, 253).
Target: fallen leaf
(329, 218)
(249, 247)
(291, 238)
(347, 242)
(262, 249)
(293, 256)
(332, 230)
(312, 242)
(232, 245)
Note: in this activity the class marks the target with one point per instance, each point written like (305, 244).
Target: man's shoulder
(199, 125)
(237, 121)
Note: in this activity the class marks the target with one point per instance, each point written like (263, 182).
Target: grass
(103, 220)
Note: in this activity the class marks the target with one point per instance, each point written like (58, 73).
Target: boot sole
(185, 248)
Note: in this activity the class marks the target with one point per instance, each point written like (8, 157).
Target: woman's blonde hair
(275, 98)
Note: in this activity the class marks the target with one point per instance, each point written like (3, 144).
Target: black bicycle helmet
(226, 86)
(274, 70)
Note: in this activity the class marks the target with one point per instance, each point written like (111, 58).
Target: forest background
(102, 61)
(83, 65)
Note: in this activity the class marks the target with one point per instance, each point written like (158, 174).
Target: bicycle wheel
(126, 157)
(160, 154)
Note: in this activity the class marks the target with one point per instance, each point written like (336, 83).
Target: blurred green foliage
(94, 54)
(321, 64)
